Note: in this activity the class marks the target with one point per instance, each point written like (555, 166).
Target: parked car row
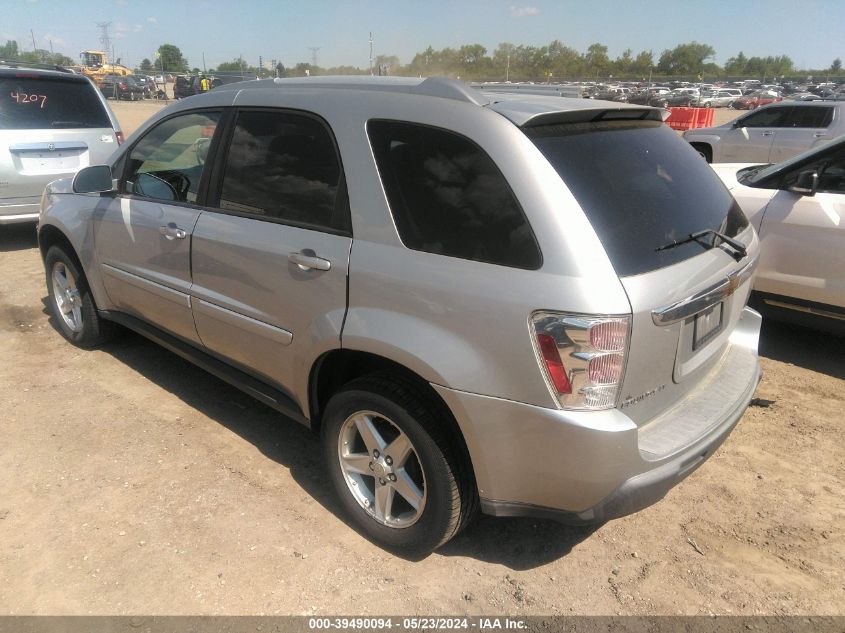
(131, 87)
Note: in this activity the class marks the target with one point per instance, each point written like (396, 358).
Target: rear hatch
(49, 127)
(645, 191)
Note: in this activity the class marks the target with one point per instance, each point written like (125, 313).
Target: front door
(801, 239)
(750, 140)
(270, 265)
(143, 237)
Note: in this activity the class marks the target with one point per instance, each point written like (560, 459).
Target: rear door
(50, 127)
(804, 127)
(143, 238)
(270, 262)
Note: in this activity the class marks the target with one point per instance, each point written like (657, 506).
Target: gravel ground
(138, 484)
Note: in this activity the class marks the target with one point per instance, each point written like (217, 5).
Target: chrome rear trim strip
(703, 299)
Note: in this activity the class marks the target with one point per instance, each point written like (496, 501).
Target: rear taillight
(582, 357)
(119, 136)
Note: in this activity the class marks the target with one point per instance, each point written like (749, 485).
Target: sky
(811, 32)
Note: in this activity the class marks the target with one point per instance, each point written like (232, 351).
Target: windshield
(30, 102)
(641, 186)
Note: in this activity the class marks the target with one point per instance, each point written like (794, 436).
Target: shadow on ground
(18, 237)
(811, 349)
(516, 543)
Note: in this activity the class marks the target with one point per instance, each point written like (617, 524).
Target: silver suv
(52, 123)
(770, 134)
(532, 305)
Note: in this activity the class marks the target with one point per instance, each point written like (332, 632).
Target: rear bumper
(19, 210)
(589, 467)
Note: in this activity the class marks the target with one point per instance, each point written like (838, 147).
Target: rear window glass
(642, 187)
(33, 103)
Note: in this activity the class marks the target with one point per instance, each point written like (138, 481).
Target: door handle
(767, 133)
(172, 232)
(308, 260)
(819, 134)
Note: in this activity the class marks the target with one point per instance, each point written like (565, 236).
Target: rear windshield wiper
(739, 247)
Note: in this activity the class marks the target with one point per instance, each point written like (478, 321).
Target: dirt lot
(136, 483)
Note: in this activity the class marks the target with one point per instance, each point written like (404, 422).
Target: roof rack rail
(441, 87)
(17, 63)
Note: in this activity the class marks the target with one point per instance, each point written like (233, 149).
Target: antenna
(314, 50)
(105, 40)
(371, 53)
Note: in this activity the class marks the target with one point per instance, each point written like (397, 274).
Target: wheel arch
(337, 367)
(704, 148)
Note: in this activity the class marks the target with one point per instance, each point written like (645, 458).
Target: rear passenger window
(284, 167)
(167, 164)
(770, 117)
(809, 116)
(448, 197)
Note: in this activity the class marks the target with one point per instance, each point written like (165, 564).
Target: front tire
(399, 475)
(71, 301)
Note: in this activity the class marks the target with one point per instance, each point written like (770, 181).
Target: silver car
(52, 123)
(770, 134)
(531, 305)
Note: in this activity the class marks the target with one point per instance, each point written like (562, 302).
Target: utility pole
(314, 50)
(371, 53)
(203, 61)
(33, 40)
(105, 40)
(508, 69)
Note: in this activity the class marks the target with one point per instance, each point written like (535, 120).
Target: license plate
(707, 325)
(49, 162)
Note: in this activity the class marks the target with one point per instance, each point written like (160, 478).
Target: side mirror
(93, 179)
(154, 187)
(806, 184)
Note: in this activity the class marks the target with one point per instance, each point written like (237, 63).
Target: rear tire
(412, 501)
(705, 151)
(72, 303)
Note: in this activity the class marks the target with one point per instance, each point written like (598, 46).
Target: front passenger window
(167, 164)
(770, 117)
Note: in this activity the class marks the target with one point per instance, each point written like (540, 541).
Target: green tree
(9, 50)
(836, 66)
(736, 65)
(170, 59)
(239, 63)
(643, 64)
(596, 60)
(685, 59)
(146, 66)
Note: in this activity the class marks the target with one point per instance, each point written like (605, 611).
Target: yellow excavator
(95, 66)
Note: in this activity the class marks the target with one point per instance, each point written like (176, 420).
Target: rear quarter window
(38, 103)
(448, 197)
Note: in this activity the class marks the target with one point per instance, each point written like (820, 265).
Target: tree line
(473, 62)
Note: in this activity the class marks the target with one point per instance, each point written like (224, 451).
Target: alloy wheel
(66, 296)
(382, 470)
